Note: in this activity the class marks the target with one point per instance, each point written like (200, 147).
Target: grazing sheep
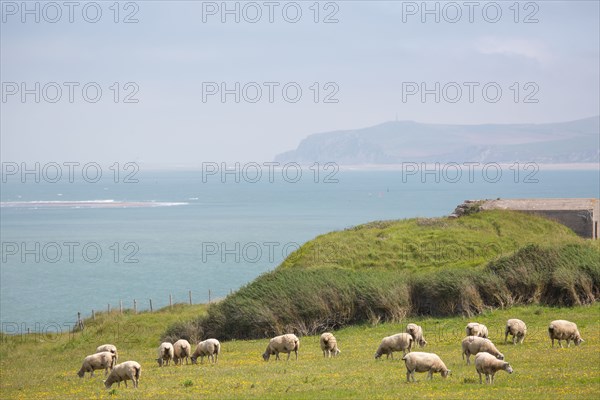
(476, 329)
(564, 330)
(282, 344)
(181, 350)
(400, 341)
(329, 345)
(208, 347)
(165, 353)
(475, 344)
(517, 329)
(416, 332)
(129, 370)
(488, 364)
(108, 347)
(424, 362)
(104, 360)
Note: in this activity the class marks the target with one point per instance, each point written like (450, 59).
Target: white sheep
(517, 329)
(329, 345)
(108, 347)
(475, 344)
(129, 370)
(181, 349)
(398, 342)
(476, 329)
(166, 353)
(208, 347)
(487, 364)
(424, 362)
(104, 360)
(416, 332)
(282, 344)
(564, 330)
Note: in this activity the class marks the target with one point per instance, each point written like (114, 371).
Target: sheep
(108, 347)
(329, 345)
(104, 360)
(564, 330)
(208, 347)
(488, 364)
(517, 329)
(476, 329)
(424, 362)
(400, 341)
(165, 353)
(474, 345)
(181, 350)
(129, 370)
(282, 344)
(416, 332)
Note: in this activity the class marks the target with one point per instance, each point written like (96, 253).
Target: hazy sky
(179, 55)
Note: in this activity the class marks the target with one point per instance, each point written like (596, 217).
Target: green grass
(387, 270)
(44, 368)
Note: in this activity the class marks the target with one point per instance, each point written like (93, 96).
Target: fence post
(170, 301)
(150, 305)
(135, 306)
(208, 296)
(79, 321)
(190, 293)
(109, 308)
(93, 315)
(121, 306)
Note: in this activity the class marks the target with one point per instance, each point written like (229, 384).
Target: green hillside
(385, 271)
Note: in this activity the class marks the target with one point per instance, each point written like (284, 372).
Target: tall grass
(385, 270)
(311, 301)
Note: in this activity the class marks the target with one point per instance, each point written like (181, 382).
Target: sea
(83, 243)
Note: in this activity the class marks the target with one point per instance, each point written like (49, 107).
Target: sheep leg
(468, 358)
(560, 343)
(407, 376)
(568, 342)
(430, 375)
(480, 382)
(506, 336)
(492, 377)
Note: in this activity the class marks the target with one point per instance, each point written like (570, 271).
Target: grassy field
(44, 367)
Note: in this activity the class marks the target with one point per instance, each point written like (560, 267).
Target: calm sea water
(57, 261)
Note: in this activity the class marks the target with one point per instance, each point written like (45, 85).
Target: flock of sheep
(488, 360)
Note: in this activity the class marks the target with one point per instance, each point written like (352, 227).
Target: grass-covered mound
(384, 271)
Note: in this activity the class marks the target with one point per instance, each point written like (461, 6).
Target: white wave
(105, 203)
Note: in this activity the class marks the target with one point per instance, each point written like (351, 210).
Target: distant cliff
(407, 141)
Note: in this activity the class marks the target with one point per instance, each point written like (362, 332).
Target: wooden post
(150, 305)
(93, 315)
(170, 301)
(208, 296)
(121, 306)
(109, 308)
(134, 306)
(190, 293)
(79, 321)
